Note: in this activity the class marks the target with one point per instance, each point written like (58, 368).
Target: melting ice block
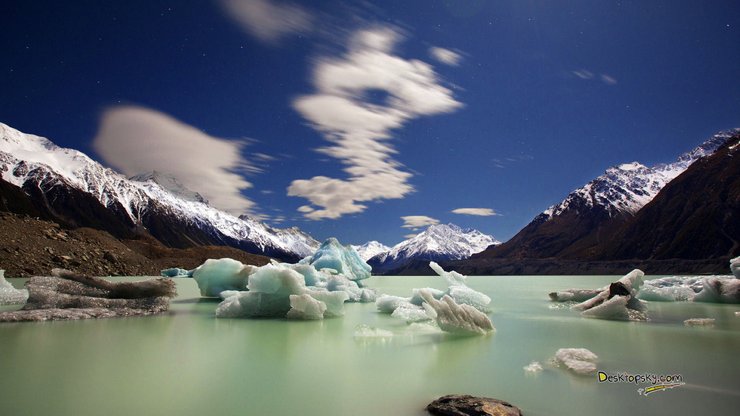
(735, 267)
(574, 295)
(389, 303)
(176, 272)
(618, 301)
(454, 318)
(719, 290)
(410, 313)
(707, 322)
(216, 275)
(453, 278)
(305, 307)
(342, 259)
(578, 360)
(459, 291)
(10, 295)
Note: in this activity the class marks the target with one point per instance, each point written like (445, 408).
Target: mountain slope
(695, 216)
(68, 186)
(437, 243)
(590, 215)
(371, 249)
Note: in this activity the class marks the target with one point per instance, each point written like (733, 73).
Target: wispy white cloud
(415, 222)
(269, 20)
(409, 236)
(608, 79)
(446, 56)
(481, 212)
(583, 74)
(136, 139)
(358, 130)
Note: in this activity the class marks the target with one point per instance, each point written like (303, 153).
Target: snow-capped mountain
(438, 243)
(371, 249)
(628, 187)
(171, 184)
(55, 175)
(589, 216)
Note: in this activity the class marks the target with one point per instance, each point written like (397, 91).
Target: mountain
(695, 216)
(171, 184)
(437, 243)
(590, 215)
(70, 188)
(371, 249)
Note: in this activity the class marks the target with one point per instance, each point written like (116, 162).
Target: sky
(369, 120)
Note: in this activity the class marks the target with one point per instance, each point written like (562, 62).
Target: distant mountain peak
(371, 249)
(170, 183)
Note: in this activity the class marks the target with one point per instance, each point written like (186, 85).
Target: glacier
(10, 295)
(454, 318)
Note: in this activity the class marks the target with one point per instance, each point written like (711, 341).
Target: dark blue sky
(545, 95)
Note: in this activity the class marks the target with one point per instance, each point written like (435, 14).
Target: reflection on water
(187, 362)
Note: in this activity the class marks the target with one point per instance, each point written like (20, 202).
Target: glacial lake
(189, 363)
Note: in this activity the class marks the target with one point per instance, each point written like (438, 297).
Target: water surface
(189, 363)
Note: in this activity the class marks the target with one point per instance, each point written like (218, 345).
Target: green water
(189, 363)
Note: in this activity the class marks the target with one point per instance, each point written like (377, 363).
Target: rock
(465, 405)
(110, 257)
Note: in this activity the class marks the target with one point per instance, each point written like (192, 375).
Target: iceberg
(707, 322)
(719, 290)
(578, 360)
(216, 275)
(10, 295)
(618, 301)
(340, 259)
(176, 272)
(305, 307)
(454, 318)
(334, 301)
(533, 367)
(410, 313)
(671, 288)
(389, 303)
(735, 267)
(453, 278)
(574, 295)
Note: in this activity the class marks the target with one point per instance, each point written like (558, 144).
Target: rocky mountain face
(590, 216)
(440, 242)
(68, 187)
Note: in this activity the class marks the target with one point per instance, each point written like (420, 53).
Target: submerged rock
(67, 295)
(10, 295)
(465, 405)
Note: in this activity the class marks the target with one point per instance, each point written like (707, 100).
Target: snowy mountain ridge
(26, 158)
(626, 188)
(371, 249)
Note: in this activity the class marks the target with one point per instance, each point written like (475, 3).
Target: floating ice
(334, 301)
(533, 367)
(618, 301)
(216, 275)
(672, 288)
(389, 303)
(364, 331)
(453, 278)
(454, 318)
(578, 360)
(719, 290)
(410, 313)
(574, 295)
(338, 282)
(416, 297)
(342, 259)
(699, 322)
(305, 307)
(176, 272)
(254, 305)
(735, 267)
(10, 295)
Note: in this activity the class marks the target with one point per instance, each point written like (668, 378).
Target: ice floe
(216, 275)
(735, 267)
(618, 301)
(10, 295)
(707, 322)
(533, 367)
(458, 319)
(578, 360)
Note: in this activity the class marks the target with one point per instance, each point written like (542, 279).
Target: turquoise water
(189, 363)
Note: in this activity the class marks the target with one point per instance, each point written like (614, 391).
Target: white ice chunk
(453, 278)
(416, 297)
(708, 322)
(410, 313)
(533, 367)
(276, 279)
(364, 331)
(719, 290)
(305, 307)
(343, 259)
(454, 318)
(622, 305)
(579, 360)
(216, 275)
(389, 303)
(735, 267)
(334, 301)
(176, 272)
(464, 295)
(10, 295)
(671, 288)
(254, 305)
(574, 295)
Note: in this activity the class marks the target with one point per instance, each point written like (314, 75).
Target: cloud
(481, 212)
(359, 130)
(583, 74)
(136, 140)
(415, 222)
(268, 20)
(608, 79)
(410, 236)
(445, 56)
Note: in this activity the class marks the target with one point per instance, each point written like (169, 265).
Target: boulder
(465, 405)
